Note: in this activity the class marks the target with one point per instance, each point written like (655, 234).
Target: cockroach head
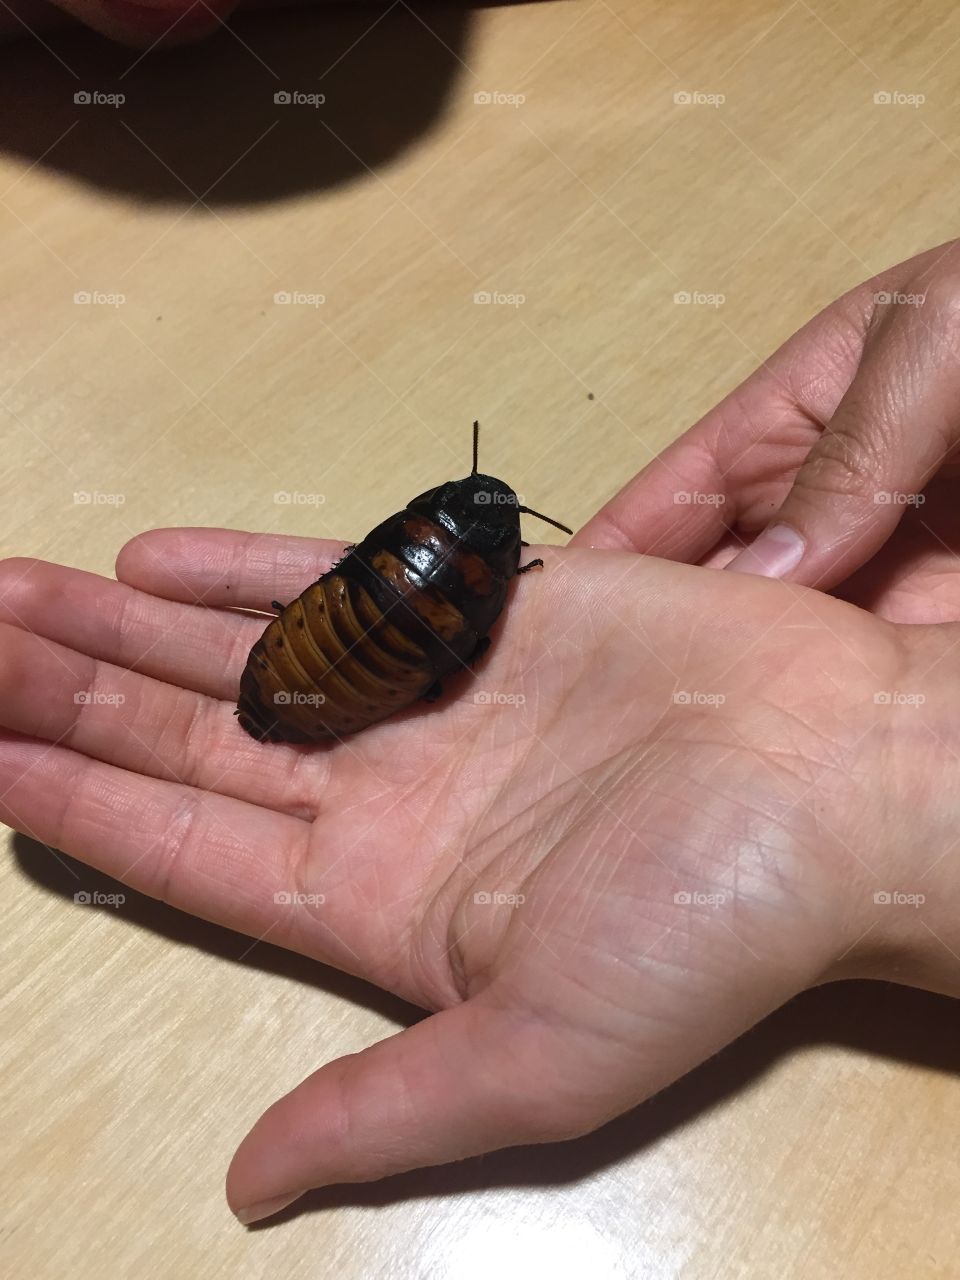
(477, 504)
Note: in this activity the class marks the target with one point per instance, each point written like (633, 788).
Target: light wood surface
(138, 1045)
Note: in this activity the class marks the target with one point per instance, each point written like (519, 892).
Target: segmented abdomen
(405, 607)
(330, 664)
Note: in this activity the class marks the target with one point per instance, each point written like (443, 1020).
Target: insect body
(411, 603)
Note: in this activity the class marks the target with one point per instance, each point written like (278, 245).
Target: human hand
(832, 437)
(670, 815)
(141, 24)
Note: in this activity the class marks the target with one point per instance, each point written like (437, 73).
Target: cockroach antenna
(526, 510)
(547, 520)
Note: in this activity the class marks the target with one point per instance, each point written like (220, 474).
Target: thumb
(893, 429)
(465, 1081)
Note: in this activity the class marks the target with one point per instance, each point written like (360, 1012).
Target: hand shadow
(220, 121)
(58, 873)
(925, 544)
(877, 1018)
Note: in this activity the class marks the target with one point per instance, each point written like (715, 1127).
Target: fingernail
(254, 1212)
(772, 554)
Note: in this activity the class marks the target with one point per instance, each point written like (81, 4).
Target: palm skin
(533, 871)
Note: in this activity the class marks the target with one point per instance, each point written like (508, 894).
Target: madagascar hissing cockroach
(411, 603)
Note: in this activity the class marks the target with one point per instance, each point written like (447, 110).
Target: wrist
(902, 896)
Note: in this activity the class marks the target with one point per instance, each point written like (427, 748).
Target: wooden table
(625, 153)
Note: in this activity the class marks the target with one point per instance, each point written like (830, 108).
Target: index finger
(224, 567)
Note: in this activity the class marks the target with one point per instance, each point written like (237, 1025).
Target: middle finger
(146, 726)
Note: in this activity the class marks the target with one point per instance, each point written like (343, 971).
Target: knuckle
(181, 835)
(844, 462)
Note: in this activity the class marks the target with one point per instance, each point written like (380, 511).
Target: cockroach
(411, 603)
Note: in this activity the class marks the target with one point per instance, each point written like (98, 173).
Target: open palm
(621, 841)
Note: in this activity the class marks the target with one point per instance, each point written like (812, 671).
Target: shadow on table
(57, 873)
(202, 122)
(871, 1017)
